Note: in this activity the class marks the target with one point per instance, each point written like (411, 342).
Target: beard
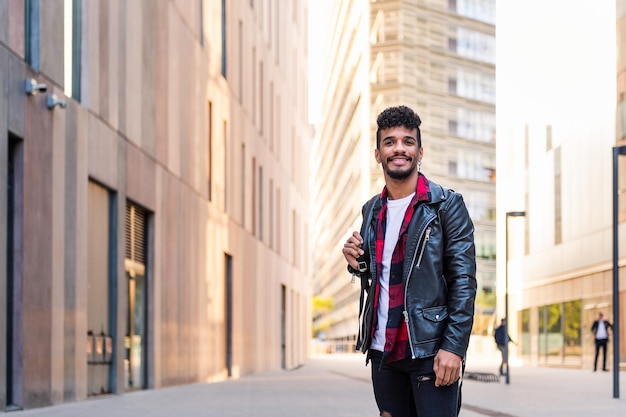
(400, 174)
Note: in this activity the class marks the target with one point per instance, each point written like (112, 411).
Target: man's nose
(399, 147)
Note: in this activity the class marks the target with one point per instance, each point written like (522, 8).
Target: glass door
(135, 332)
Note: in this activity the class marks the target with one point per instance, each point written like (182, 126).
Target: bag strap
(367, 219)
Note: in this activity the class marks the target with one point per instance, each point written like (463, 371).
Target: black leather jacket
(439, 275)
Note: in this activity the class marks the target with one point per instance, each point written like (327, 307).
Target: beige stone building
(154, 214)
(438, 57)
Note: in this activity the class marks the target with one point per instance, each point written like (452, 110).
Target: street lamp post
(617, 151)
(506, 289)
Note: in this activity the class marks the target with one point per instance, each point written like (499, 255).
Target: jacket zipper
(426, 235)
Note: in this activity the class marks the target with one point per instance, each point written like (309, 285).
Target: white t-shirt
(601, 332)
(395, 214)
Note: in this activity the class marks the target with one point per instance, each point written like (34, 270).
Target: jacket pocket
(431, 324)
(435, 314)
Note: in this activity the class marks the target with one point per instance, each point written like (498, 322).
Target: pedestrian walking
(502, 339)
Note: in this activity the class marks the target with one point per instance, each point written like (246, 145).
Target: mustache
(408, 158)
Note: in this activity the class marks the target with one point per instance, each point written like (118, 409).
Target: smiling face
(399, 152)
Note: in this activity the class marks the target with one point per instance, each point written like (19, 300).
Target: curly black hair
(398, 116)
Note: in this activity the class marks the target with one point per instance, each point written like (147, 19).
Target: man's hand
(352, 249)
(447, 368)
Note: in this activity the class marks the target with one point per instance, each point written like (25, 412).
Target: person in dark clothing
(416, 261)
(600, 329)
(502, 341)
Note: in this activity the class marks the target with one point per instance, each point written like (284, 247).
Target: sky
(555, 60)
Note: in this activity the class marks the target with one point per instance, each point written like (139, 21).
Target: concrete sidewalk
(339, 385)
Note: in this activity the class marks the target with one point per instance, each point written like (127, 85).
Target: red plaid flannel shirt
(396, 334)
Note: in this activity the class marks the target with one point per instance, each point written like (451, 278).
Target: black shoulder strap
(367, 220)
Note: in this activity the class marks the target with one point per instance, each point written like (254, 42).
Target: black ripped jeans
(406, 388)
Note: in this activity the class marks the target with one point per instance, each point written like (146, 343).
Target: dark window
(76, 48)
(226, 166)
(14, 283)
(224, 38)
(209, 149)
(254, 190)
(260, 203)
(452, 86)
(243, 185)
(452, 45)
(228, 313)
(31, 29)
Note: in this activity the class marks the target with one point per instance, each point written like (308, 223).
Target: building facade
(154, 194)
(438, 57)
(555, 166)
(341, 179)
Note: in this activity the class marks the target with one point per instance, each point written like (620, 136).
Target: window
(475, 125)
(253, 204)
(560, 333)
(224, 38)
(474, 45)
(481, 205)
(278, 223)
(226, 166)
(550, 334)
(243, 185)
(31, 29)
(558, 200)
(485, 245)
(209, 149)
(72, 48)
(260, 195)
(483, 10)
(271, 116)
(136, 280)
(474, 85)
(254, 104)
(228, 312)
(261, 98)
(241, 65)
(474, 165)
(271, 214)
(525, 336)
(294, 237)
(572, 332)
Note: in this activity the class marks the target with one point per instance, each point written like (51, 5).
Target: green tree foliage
(321, 306)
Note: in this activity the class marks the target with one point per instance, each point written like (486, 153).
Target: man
(415, 257)
(600, 329)
(502, 341)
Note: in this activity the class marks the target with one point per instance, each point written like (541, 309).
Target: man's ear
(377, 155)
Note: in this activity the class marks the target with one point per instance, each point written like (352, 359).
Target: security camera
(32, 87)
(53, 101)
